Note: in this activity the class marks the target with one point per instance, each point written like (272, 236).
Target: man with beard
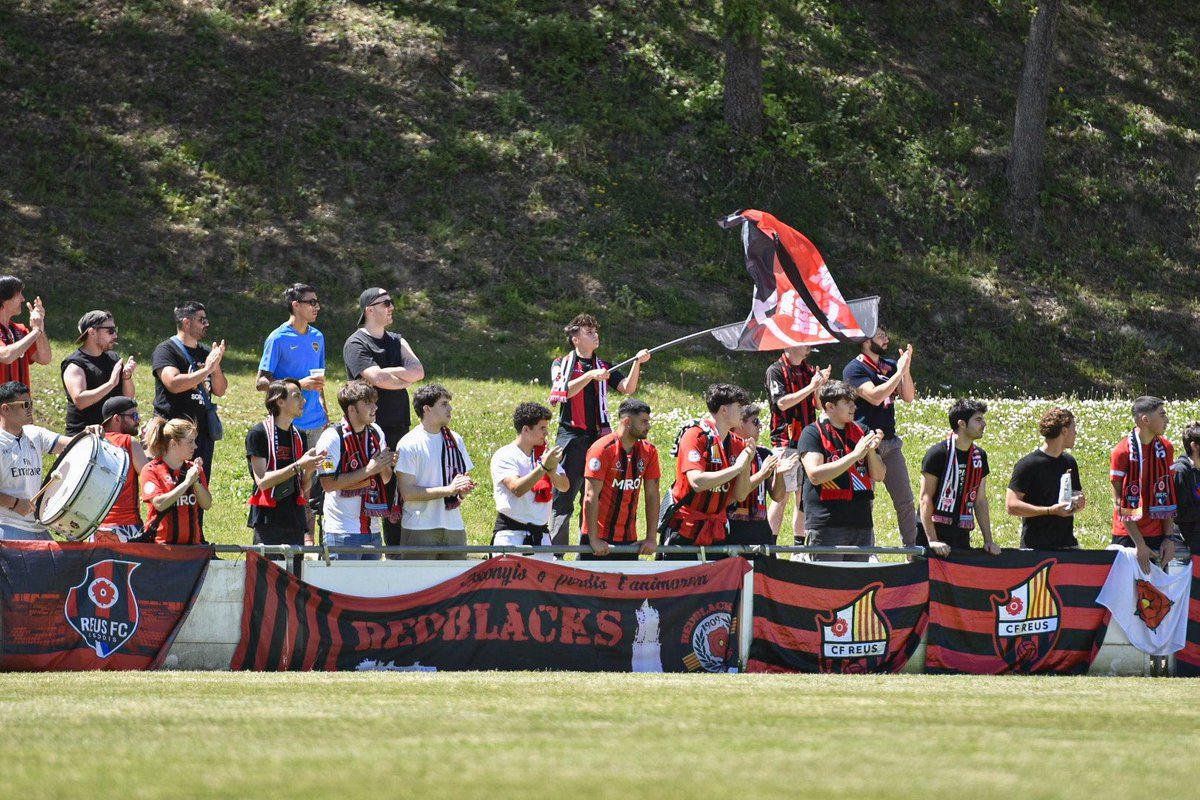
(877, 382)
(383, 359)
(186, 373)
(621, 465)
(954, 485)
(94, 373)
(124, 520)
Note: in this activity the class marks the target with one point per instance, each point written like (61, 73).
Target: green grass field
(477, 735)
(672, 386)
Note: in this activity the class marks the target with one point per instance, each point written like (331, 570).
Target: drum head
(71, 469)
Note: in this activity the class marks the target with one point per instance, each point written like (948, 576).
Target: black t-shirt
(1037, 476)
(96, 372)
(820, 514)
(363, 350)
(184, 405)
(286, 513)
(934, 463)
(883, 416)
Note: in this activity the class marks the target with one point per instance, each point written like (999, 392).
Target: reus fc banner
(1187, 660)
(1019, 612)
(81, 606)
(821, 618)
(507, 613)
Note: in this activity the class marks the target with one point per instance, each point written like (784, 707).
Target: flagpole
(672, 343)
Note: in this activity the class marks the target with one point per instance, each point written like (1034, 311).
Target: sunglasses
(386, 303)
(110, 328)
(133, 415)
(314, 302)
(200, 320)
(19, 404)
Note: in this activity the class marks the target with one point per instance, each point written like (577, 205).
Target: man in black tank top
(94, 373)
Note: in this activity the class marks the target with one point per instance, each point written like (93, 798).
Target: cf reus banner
(80, 606)
(1187, 660)
(821, 618)
(1019, 612)
(507, 613)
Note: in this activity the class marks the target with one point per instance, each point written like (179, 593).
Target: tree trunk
(1029, 125)
(743, 67)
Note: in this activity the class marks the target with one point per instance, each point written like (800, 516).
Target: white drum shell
(84, 485)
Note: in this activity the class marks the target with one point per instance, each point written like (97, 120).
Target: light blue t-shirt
(287, 354)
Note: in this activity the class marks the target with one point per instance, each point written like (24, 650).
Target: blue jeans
(354, 540)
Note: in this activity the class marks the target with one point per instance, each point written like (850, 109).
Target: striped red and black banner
(81, 606)
(822, 618)
(507, 613)
(1187, 660)
(1020, 612)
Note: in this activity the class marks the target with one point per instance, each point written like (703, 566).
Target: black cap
(368, 298)
(90, 320)
(117, 405)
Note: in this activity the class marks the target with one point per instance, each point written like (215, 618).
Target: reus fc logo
(1152, 605)
(854, 638)
(1027, 620)
(102, 608)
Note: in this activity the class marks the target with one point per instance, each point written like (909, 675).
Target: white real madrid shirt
(21, 471)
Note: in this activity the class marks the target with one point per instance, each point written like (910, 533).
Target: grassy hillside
(510, 162)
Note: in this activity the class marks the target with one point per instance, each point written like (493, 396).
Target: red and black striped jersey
(754, 507)
(703, 518)
(179, 524)
(783, 378)
(621, 475)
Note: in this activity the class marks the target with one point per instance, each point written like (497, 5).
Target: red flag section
(796, 300)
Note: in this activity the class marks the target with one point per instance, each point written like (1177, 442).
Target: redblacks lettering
(542, 623)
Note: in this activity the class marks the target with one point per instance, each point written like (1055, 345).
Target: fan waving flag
(796, 300)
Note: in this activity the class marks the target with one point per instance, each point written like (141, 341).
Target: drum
(82, 487)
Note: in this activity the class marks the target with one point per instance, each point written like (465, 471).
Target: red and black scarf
(838, 444)
(800, 415)
(266, 497)
(1161, 485)
(543, 490)
(567, 369)
(357, 450)
(955, 507)
(883, 370)
(453, 464)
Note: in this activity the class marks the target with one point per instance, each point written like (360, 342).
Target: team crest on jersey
(316, 347)
(694, 457)
(1152, 605)
(854, 638)
(594, 464)
(102, 608)
(1028, 618)
(710, 633)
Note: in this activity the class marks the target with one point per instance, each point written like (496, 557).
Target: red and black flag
(822, 618)
(1187, 660)
(507, 613)
(1021, 612)
(796, 300)
(81, 606)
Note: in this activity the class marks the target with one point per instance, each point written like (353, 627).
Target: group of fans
(379, 478)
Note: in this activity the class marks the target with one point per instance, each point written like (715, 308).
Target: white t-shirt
(420, 455)
(342, 512)
(510, 462)
(21, 471)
